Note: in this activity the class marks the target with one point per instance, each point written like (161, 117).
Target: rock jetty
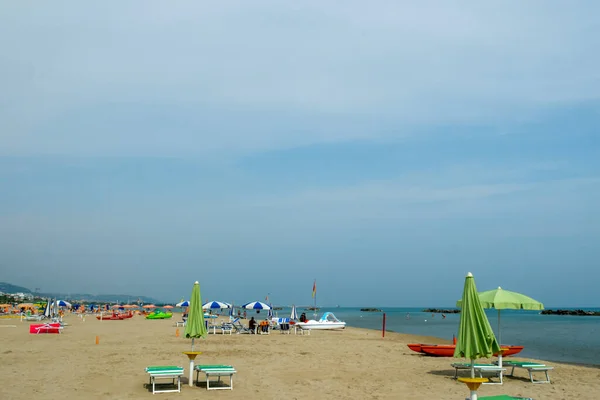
(370, 309)
(571, 312)
(441, 311)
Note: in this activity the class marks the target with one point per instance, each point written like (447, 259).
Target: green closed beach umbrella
(475, 336)
(194, 326)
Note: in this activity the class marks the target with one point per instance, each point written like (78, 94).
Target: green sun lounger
(165, 372)
(480, 369)
(531, 367)
(504, 397)
(217, 370)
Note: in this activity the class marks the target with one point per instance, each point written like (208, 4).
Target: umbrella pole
(499, 343)
(191, 379)
(499, 338)
(472, 368)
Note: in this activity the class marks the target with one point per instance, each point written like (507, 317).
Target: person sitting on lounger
(252, 324)
(264, 325)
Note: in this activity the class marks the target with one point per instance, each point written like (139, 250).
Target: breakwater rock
(441, 311)
(370, 309)
(571, 312)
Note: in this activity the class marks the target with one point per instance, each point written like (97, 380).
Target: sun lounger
(300, 330)
(531, 367)
(45, 328)
(226, 328)
(218, 371)
(503, 397)
(165, 372)
(281, 324)
(480, 369)
(239, 328)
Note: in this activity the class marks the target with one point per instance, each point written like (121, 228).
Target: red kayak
(447, 350)
(417, 346)
(114, 317)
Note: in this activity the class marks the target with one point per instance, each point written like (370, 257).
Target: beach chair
(218, 371)
(264, 328)
(284, 325)
(165, 372)
(238, 327)
(45, 328)
(503, 397)
(480, 369)
(299, 330)
(226, 327)
(531, 367)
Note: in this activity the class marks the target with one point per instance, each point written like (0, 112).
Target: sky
(383, 148)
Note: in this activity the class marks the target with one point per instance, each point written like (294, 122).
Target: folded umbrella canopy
(194, 327)
(475, 336)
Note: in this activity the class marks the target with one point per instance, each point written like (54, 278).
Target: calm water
(548, 337)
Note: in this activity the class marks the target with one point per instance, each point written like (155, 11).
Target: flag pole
(315, 297)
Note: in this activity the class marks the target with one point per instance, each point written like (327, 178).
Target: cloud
(203, 78)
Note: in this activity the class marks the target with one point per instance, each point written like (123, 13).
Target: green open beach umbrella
(475, 336)
(194, 326)
(501, 299)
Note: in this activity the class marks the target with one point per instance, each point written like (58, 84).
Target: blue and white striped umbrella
(183, 304)
(62, 303)
(256, 305)
(215, 304)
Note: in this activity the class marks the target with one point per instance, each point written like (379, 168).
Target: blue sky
(385, 149)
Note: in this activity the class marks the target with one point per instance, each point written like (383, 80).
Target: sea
(562, 338)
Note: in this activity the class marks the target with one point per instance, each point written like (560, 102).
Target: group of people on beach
(264, 325)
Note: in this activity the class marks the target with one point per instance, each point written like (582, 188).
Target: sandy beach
(353, 363)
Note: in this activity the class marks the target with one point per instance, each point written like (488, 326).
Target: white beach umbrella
(294, 315)
(48, 309)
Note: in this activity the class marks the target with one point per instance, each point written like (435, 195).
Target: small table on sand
(192, 356)
(473, 384)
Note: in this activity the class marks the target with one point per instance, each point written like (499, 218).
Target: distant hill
(10, 288)
(109, 298)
